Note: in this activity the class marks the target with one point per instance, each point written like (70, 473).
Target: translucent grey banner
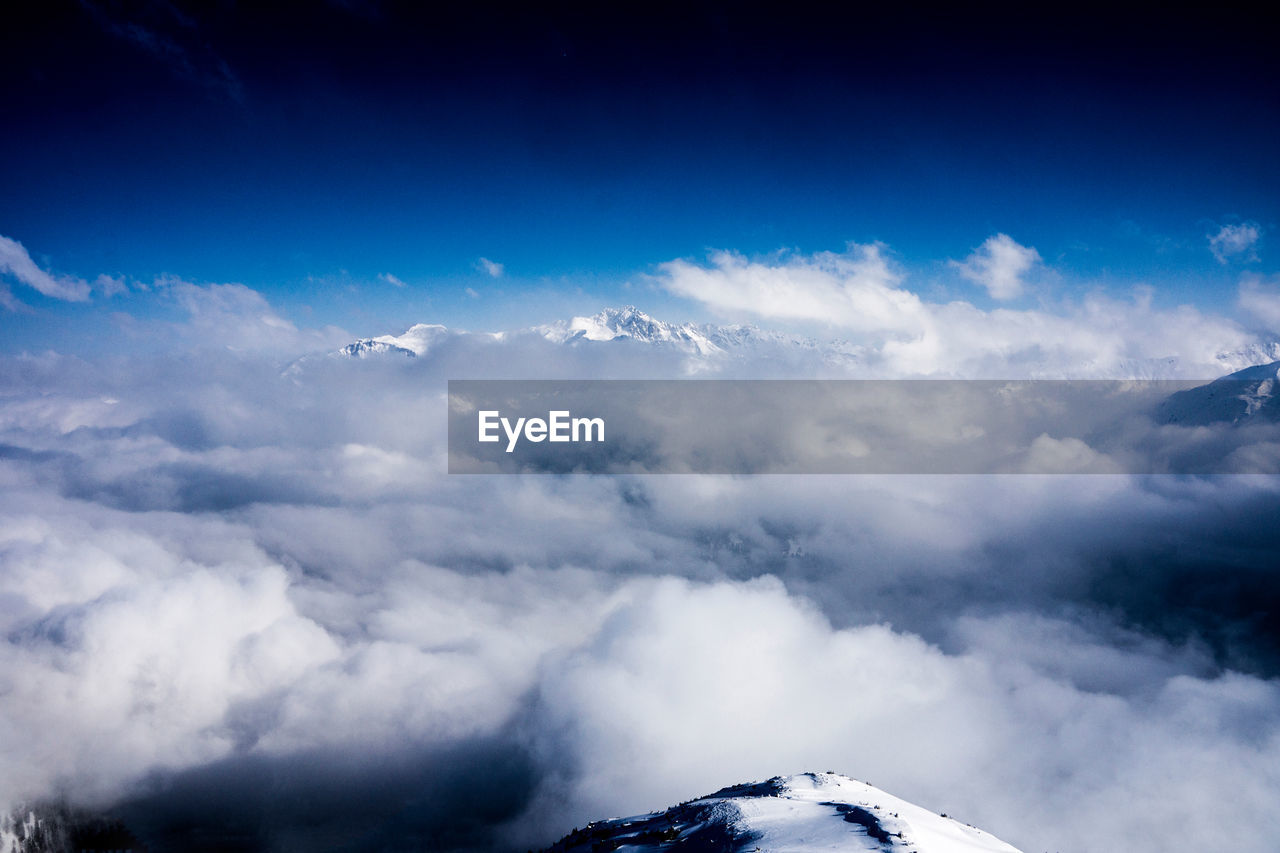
(1227, 426)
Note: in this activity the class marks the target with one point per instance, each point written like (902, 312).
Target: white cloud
(1236, 241)
(999, 265)
(472, 292)
(490, 268)
(900, 334)
(15, 261)
(856, 289)
(390, 279)
(143, 651)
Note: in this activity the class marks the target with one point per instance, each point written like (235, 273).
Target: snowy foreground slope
(787, 814)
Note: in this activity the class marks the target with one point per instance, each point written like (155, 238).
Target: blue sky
(312, 152)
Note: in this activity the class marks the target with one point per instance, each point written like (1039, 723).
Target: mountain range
(709, 347)
(617, 325)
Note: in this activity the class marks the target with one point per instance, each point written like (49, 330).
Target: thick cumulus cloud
(687, 682)
(124, 653)
(243, 605)
(860, 293)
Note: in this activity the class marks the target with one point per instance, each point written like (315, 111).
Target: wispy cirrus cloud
(490, 268)
(172, 38)
(16, 262)
(238, 318)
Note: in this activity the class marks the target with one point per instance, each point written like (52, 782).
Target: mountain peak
(629, 322)
(797, 814)
(415, 341)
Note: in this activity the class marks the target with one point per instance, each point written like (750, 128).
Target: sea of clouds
(240, 595)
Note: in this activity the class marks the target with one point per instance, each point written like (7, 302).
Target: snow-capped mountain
(787, 814)
(1248, 395)
(631, 323)
(1254, 355)
(706, 343)
(415, 342)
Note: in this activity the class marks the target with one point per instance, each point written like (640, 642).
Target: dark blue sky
(305, 149)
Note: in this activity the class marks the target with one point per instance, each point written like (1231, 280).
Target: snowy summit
(612, 324)
(788, 814)
(415, 342)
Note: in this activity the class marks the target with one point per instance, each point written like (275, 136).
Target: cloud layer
(242, 596)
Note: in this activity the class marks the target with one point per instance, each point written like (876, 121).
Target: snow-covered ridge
(1249, 395)
(788, 814)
